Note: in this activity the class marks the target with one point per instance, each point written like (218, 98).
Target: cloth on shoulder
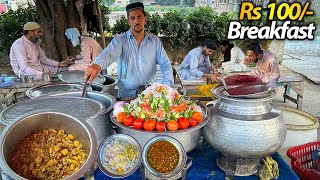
(6, 81)
(73, 34)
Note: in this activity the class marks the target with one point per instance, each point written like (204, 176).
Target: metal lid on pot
(78, 107)
(159, 141)
(76, 76)
(48, 89)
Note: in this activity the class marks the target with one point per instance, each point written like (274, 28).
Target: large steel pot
(245, 130)
(15, 131)
(104, 124)
(110, 85)
(86, 109)
(47, 89)
(189, 138)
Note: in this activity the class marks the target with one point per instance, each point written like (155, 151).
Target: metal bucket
(301, 129)
(110, 85)
(24, 126)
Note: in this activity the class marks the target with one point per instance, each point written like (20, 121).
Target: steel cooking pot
(245, 130)
(85, 109)
(23, 126)
(189, 138)
(110, 84)
(47, 89)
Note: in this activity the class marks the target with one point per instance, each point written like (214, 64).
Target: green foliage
(175, 26)
(105, 12)
(222, 26)
(202, 24)
(11, 25)
(120, 26)
(154, 24)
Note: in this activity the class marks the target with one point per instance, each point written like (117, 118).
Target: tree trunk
(60, 26)
(47, 28)
(56, 16)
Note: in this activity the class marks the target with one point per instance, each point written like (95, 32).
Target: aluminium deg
(78, 107)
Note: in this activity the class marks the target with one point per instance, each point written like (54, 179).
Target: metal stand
(237, 167)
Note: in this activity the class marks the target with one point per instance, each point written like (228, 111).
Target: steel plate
(76, 76)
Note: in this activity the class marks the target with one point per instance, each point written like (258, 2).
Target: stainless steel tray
(249, 92)
(76, 76)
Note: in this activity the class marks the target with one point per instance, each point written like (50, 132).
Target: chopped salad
(159, 103)
(120, 156)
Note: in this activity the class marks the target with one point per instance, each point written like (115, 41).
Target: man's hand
(63, 64)
(213, 78)
(92, 71)
(70, 60)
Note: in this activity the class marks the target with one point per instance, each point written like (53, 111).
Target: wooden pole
(100, 25)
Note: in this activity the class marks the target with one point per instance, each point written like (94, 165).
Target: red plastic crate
(301, 161)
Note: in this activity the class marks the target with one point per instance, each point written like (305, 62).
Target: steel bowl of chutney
(164, 156)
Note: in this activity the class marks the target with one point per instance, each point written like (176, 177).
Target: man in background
(28, 58)
(267, 68)
(90, 49)
(197, 63)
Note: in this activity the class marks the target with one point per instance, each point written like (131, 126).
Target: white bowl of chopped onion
(119, 156)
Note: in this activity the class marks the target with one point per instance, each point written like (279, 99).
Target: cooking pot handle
(210, 103)
(5, 176)
(186, 167)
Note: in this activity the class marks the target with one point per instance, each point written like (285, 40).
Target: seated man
(90, 49)
(197, 64)
(28, 58)
(233, 58)
(267, 66)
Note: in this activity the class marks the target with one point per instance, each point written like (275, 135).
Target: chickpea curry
(163, 156)
(48, 154)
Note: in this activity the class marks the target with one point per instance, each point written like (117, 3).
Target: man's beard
(137, 30)
(34, 39)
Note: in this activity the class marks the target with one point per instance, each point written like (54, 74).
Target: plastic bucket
(301, 129)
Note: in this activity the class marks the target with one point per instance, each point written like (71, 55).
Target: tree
(56, 16)
(11, 24)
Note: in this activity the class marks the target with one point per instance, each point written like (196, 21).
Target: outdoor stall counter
(204, 166)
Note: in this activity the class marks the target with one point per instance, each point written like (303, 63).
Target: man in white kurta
(90, 49)
(28, 58)
(267, 68)
(233, 58)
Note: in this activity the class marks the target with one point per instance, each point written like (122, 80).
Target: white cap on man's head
(31, 26)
